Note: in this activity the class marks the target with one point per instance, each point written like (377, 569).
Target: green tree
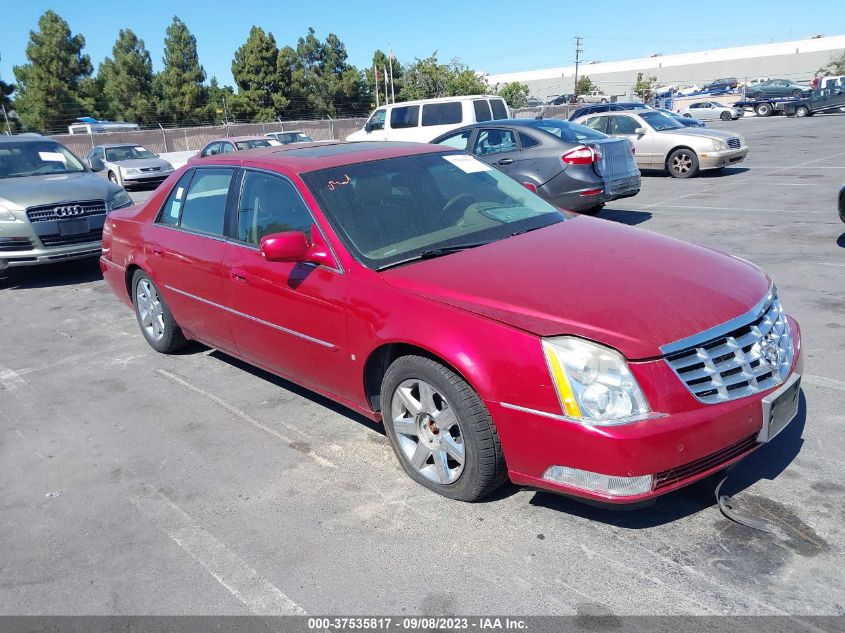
(428, 79)
(6, 92)
(381, 61)
(256, 74)
(642, 88)
(835, 67)
(47, 94)
(126, 80)
(584, 85)
(223, 104)
(179, 87)
(515, 94)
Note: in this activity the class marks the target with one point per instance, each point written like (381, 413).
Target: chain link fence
(195, 138)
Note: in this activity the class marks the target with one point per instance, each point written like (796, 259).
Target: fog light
(610, 485)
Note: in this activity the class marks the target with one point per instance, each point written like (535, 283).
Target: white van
(421, 121)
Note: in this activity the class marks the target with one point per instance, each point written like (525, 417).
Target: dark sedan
(776, 88)
(571, 166)
(600, 108)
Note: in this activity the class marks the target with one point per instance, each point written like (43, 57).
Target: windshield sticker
(467, 164)
(179, 192)
(52, 156)
(138, 148)
(337, 183)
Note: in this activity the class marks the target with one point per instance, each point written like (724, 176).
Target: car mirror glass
(96, 164)
(640, 131)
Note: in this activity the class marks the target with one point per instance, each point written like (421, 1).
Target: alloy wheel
(428, 431)
(681, 163)
(150, 309)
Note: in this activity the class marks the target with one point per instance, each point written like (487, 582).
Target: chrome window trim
(723, 328)
(255, 319)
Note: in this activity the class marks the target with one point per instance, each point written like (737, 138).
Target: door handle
(239, 276)
(504, 161)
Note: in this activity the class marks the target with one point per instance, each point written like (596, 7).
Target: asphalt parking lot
(136, 483)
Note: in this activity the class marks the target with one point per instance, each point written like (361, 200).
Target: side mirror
(368, 127)
(96, 164)
(640, 131)
(293, 246)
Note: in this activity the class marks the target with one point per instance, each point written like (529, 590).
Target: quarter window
(406, 116)
(172, 208)
(226, 148)
(482, 110)
(442, 113)
(527, 141)
(204, 208)
(270, 204)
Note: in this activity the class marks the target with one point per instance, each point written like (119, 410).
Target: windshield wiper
(452, 248)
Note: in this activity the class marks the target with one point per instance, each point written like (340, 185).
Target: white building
(797, 60)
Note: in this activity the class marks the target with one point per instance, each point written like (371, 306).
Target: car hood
(139, 163)
(31, 191)
(627, 288)
(703, 132)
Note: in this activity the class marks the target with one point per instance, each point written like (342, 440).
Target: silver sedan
(663, 143)
(128, 164)
(711, 110)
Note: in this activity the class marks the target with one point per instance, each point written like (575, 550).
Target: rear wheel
(688, 115)
(758, 95)
(154, 318)
(725, 116)
(797, 93)
(440, 430)
(604, 100)
(682, 163)
(763, 109)
(802, 111)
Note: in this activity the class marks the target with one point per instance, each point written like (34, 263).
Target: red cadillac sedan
(494, 335)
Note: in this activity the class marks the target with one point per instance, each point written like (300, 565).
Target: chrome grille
(752, 357)
(734, 143)
(48, 211)
(146, 169)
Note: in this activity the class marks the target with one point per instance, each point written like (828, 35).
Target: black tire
(592, 210)
(688, 115)
(802, 111)
(113, 178)
(797, 93)
(757, 95)
(725, 116)
(763, 109)
(682, 163)
(484, 468)
(172, 338)
(604, 101)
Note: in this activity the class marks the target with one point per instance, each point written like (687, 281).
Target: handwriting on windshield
(337, 183)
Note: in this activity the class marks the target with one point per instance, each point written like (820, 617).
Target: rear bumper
(676, 449)
(582, 189)
(715, 160)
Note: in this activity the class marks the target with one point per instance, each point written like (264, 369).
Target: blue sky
(497, 38)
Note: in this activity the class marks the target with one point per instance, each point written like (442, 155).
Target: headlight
(130, 171)
(593, 382)
(6, 215)
(120, 200)
(167, 167)
(720, 146)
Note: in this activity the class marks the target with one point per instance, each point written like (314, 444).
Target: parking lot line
(10, 379)
(322, 461)
(825, 382)
(257, 593)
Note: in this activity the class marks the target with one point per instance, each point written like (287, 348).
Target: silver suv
(52, 207)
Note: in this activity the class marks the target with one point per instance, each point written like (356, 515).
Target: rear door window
(448, 113)
(406, 116)
(500, 111)
(482, 110)
(204, 207)
(495, 142)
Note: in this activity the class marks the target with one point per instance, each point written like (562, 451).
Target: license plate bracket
(73, 227)
(780, 408)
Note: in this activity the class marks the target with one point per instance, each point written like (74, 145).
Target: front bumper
(41, 255)
(689, 443)
(145, 178)
(724, 158)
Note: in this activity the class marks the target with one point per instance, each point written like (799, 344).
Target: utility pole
(6, 116)
(578, 51)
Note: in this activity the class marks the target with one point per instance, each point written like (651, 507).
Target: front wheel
(802, 111)
(154, 317)
(604, 100)
(113, 178)
(763, 109)
(440, 430)
(797, 93)
(758, 95)
(725, 116)
(682, 163)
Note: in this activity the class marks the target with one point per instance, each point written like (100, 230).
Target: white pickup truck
(594, 96)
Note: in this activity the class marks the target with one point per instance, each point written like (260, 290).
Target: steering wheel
(455, 206)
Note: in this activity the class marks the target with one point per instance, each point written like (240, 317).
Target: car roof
(305, 157)
(17, 138)
(437, 100)
(238, 138)
(113, 145)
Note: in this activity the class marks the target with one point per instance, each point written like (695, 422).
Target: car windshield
(256, 143)
(397, 210)
(659, 121)
(716, 104)
(569, 132)
(28, 158)
(127, 152)
(293, 137)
